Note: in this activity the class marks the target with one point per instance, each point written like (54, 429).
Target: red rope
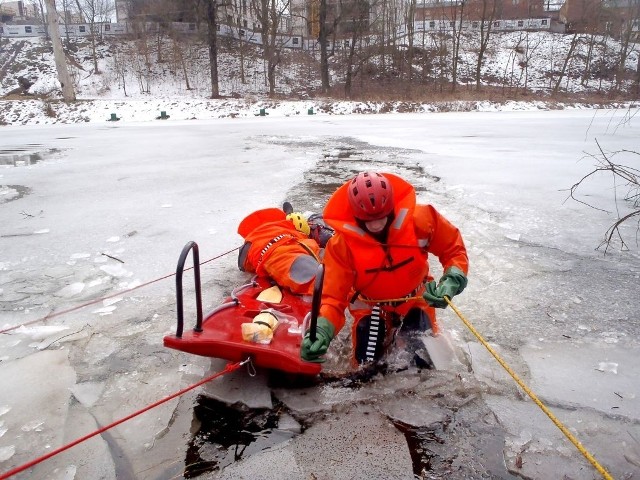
(229, 368)
(98, 300)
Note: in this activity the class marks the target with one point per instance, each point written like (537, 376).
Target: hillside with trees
(360, 50)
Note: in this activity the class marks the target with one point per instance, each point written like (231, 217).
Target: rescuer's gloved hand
(314, 351)
(451, 284)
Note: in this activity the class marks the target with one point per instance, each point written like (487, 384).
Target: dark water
(224, 434)
(25, 155)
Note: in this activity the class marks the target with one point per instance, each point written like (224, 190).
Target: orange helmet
(370, 196)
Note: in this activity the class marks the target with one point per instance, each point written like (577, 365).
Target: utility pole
(68, 94)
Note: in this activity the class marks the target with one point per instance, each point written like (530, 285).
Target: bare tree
(572, 46)
(627, 45)
(120, 66)
(637, 79)
(627, 192)
(489, 9)
(95, 12)
(359, 24)
(591, 42)
(411, 27)
(456, 38)
(323, 39)
(38, 10)
(270, 14)
(212, 42)
(66, 10)
(247, 37)
(68, 93)
(179, 59)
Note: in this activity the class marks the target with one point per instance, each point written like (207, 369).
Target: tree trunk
(212, 22)
(348, 79)
(273, 52)
(572, 47)
(456, 37)
(486, 21)
(411, 18)
(68, 93)
(637, 82)
(587, 63)
(94, 52)
(322, 37)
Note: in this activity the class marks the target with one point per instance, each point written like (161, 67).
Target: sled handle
(196, 272)
(315, 303)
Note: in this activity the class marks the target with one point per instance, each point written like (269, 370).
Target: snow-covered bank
(41, 112)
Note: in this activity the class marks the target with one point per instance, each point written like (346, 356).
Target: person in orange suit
(281, 246)
(376, 264)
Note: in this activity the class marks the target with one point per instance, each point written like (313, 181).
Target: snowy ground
(90, 210)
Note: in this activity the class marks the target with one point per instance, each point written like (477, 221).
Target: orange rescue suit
(273, 248)
(355, 262)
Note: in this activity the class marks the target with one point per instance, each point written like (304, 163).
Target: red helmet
(370, 196)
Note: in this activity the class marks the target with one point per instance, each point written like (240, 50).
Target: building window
(544, 21)
(27, 29)
(82, 28)
(452, 24)
(107, 28)
(296, 40)
(496, 24)
(520, 23)
(432, 24)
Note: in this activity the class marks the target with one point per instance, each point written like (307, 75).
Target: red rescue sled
(219, 334)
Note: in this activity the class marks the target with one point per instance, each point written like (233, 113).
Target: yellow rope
(532, 395)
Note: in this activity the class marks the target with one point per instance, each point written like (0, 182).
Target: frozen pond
(108, 209)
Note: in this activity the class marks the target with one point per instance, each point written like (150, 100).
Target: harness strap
(413, 295)
(284, 236)
(308, 249)
(270, 244)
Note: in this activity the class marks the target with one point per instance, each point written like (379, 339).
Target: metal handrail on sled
(315, 302)
(196, 274)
